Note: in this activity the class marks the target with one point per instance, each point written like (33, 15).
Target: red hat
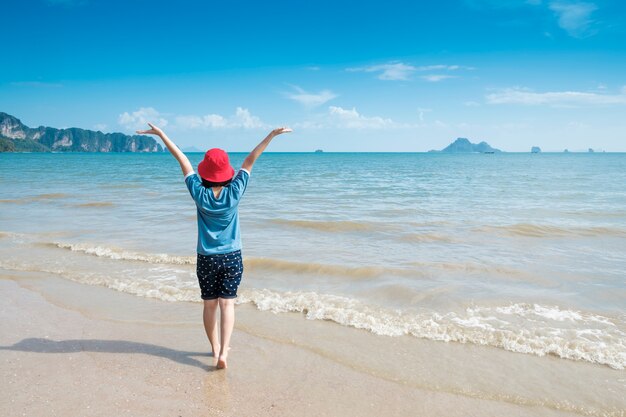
(215, 166)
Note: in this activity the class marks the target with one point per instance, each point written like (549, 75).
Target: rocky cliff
(17, 137)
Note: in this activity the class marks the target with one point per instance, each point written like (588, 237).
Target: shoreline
(145, 356)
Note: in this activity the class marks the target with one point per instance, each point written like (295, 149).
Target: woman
(219, 265)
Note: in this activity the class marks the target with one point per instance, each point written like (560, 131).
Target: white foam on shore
(520, 327)
(603, 344)
(121, 254)
(514, 327)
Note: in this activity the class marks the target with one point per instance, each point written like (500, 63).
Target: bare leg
(227, 322)
(209, 317)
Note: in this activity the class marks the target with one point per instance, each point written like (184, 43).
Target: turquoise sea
(522, 252)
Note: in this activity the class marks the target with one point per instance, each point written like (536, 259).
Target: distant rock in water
(535, 149)
(463, 145)
(191, 149)
(17, 137)
(318, 151)
(566, 151)
(591, 150)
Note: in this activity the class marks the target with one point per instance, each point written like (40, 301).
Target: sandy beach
(71, 350)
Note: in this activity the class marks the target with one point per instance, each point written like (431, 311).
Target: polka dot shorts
(219, 275)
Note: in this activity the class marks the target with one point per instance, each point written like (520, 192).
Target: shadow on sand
(40, 345)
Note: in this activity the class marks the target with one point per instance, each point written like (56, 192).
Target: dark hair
(209, 184)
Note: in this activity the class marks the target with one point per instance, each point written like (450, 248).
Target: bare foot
(221, 362)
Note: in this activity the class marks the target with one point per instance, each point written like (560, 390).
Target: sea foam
(530, 328)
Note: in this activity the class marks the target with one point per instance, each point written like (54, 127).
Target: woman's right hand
(280, 130)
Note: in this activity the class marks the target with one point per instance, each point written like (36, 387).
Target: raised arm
(256, 152)
(182, 159)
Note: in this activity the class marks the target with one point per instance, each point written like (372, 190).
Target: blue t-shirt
(218, 218)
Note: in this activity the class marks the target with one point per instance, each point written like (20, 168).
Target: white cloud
(139, 119)
(244, 119)
(443, 67)
(340, 118)
(392, 71)
(574, 18)
(310, 99)
(433, 78)
(100, 126)
(345, 118)
(241, 119)
(196, 122)
(558, 98)
(398, 71)
(352, 119)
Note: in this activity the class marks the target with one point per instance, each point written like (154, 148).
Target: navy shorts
(219, 275)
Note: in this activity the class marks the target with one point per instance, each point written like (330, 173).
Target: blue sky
(346, 76)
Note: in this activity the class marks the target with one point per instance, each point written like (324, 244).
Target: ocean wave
(255, 264)
(122, 254)
(11, 235)
(603, 344)
(40, 197)
(124, 185)
(368, 226)
(96, 204)
(470, 267)
(426, 237)
(327, 226)
(522, 327)
(414, 270)
(325, 269)
(48, 196)
(536, 230)
(166, 289)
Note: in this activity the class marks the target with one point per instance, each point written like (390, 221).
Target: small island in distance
(17, 137)
(191, 149)
(463, 145)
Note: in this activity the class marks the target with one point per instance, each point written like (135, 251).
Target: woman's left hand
(152, 131)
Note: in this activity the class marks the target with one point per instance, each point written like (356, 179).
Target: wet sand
(70, 349)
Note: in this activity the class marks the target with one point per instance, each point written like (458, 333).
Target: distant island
(463, 145)
(535, 149)
(17, 137)
(191, 149)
